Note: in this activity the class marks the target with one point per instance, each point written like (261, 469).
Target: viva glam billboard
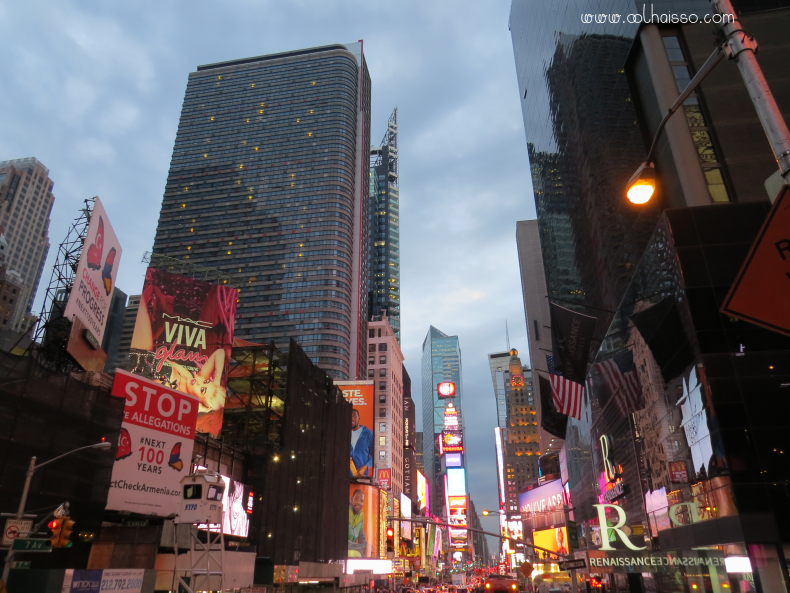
(182, 339)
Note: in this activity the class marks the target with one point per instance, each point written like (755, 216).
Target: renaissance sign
(670, 560)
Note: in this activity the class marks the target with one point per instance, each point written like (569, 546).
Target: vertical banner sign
(155, 446)
(183, 337)
(571, 333)
(90, 297)
(360, 395)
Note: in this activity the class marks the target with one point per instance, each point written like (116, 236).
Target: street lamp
(487, 512)
(104, 446)
(741, 48)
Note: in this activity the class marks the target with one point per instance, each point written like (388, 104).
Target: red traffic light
(390, 532)
(53, 524)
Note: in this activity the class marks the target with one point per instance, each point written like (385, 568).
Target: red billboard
(360, 395)
(183, 337)
(154, 448)
(451, 441)
(384, 478)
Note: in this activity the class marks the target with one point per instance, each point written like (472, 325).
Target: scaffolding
(182, 267)
(52, 333)
(388, 148)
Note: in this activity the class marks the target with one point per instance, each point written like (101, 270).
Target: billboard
(360, 395)
(182, 339)
(363, 521)
(554, 539)
(451, 441)
(445, 389)
(91, 294)
(453, 460)
(456, 482)
(237, 507)
(456, 511)
(405, 511)
(500, 465)
(154, 448)
(422, 492)
(543, 499)
(450, 417)
(384, 477)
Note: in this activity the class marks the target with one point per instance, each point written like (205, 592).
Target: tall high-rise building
(384, 227)
(536, 312)
(120, 356)
(24, 216)
(499, 362)
(385, 369)
(269, 181)
(441, 362)
(409, 440)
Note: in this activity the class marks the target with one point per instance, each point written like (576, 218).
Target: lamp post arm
(714, 58)
(94, 446)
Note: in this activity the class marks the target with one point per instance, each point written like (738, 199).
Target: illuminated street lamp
(486, 512)
(741, 48)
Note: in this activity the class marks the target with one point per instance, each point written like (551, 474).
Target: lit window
(382, 441)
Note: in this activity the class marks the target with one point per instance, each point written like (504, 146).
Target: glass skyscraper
(441, 361)
(268, 182)
(384, 237)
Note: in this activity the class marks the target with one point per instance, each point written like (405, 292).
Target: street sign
(21, 564)
(31, 545)
(572, 564)
(759, 293)
(14, 529)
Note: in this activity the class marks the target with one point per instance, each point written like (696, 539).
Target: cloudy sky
(93, 89)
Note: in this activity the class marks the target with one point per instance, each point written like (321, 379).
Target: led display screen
(456, 482)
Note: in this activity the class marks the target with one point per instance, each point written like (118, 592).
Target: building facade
(120, 356)
(269, 182)
(409, 440)
(499, 362)
(536, 313)
(24, 216)
(384, 228)
(385, 369)
(113, 332)
(441, 362)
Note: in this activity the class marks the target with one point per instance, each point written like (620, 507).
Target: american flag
(621, 376)
(567, 395)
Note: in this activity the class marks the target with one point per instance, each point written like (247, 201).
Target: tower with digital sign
(441, 383)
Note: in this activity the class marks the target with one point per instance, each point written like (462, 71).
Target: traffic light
(55, 526)
(390, 539)
(65, 533)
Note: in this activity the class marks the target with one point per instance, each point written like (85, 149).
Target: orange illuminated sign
(759, 293)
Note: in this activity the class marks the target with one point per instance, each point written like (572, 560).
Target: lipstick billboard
(182, 339)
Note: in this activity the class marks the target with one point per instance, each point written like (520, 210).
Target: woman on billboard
(182, 339)
(205, 384)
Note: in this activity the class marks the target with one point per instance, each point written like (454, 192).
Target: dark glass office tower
(384, 238)
(268, 182)
(584, 143)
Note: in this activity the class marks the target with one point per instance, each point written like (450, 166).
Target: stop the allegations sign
(155, 447)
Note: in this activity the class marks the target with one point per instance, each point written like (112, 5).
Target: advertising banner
(360, 395)
(405, 511)
(236, 520)
(551, 421)
(183, 337)
(554, 539)
(456, 482)
(123, 580)
(363, 521)
(423, 493)
(451, 441)
(543, 499)
(90, 297)
(384, 477)
(678, 471)
(154, 449)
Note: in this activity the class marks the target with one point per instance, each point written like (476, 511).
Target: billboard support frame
(52, 333)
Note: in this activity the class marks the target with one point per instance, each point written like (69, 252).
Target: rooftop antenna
(507, 336)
